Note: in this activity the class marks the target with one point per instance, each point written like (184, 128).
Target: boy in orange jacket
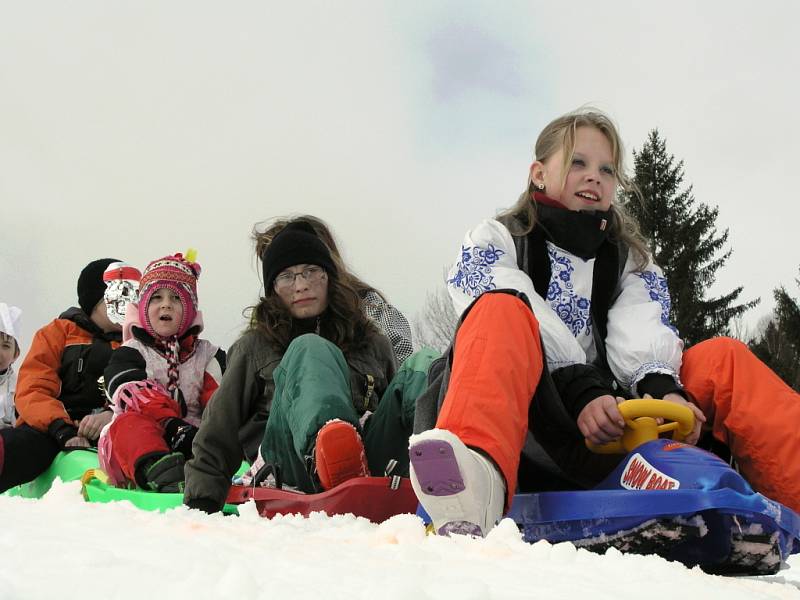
(60, 403)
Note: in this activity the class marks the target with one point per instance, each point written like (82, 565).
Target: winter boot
(461, 490)
(161, 473)
(339, 454)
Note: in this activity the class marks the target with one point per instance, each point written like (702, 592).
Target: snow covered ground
(61, 547)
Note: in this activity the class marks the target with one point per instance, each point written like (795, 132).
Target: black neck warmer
(303, 326)
(579, 232)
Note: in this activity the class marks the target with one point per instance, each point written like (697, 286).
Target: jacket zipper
(370, 387)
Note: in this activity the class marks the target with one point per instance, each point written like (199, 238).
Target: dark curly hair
(263, 237)
(343, 322)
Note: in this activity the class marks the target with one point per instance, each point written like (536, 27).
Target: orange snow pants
(750, 409)
(497, 365)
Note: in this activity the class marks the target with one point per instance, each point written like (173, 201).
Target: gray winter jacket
(234, 420)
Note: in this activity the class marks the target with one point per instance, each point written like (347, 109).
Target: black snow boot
(161, 473)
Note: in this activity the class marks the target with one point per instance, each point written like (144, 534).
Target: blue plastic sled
(674, 500)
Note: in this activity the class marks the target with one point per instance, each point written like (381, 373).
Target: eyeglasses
(285, 280)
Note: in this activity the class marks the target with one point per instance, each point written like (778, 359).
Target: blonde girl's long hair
(559, 134)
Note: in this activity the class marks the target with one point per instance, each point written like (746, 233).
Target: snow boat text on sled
(667, 498)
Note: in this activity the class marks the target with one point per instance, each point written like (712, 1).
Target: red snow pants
(750, 409)
(496, 368)
(137, 434)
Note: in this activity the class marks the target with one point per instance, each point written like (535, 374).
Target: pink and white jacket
(200, 369)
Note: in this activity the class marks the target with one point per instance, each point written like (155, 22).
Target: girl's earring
(540, 187)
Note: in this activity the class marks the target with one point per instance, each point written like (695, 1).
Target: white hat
(9, 320)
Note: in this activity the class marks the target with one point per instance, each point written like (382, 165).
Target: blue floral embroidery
(572, 309)
(659, 292)
(474, 273)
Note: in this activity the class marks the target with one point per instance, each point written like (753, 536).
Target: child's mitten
(179, 436)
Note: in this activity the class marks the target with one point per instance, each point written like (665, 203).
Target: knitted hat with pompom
(177, 274)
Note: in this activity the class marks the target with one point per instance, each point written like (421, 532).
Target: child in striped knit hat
(160, 380)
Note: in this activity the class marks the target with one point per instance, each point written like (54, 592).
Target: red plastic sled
(373, 498)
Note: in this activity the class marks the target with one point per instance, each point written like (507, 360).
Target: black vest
(533, 259)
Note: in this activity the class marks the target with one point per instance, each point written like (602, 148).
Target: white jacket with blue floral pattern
(640, 338)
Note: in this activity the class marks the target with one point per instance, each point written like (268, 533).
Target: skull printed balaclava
(122, 287)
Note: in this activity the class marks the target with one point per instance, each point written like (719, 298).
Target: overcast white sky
(137, 129)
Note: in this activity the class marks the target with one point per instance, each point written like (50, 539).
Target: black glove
(62, 432)
(179, 436)
(578, 385)
(659, 385)
(204, 504)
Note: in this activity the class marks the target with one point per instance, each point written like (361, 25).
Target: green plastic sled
(67, 466)
(83, 465)
(97, 489)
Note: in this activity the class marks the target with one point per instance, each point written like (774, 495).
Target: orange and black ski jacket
(58, 380)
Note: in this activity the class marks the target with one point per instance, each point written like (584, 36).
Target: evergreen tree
(684, 241)
(779, 343)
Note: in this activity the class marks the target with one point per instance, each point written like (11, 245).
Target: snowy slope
(61, 547)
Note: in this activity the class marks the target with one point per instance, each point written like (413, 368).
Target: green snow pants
(312, 386)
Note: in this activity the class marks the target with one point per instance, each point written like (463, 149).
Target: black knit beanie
(91, 286)
(295, 244)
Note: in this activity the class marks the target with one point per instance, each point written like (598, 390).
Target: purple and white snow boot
(461, 490)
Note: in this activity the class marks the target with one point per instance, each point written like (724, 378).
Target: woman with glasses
(312, 395)
(388, 318)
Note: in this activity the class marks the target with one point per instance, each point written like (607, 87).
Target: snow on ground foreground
(61, 547)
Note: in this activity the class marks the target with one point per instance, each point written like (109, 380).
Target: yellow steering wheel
(641, 425)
